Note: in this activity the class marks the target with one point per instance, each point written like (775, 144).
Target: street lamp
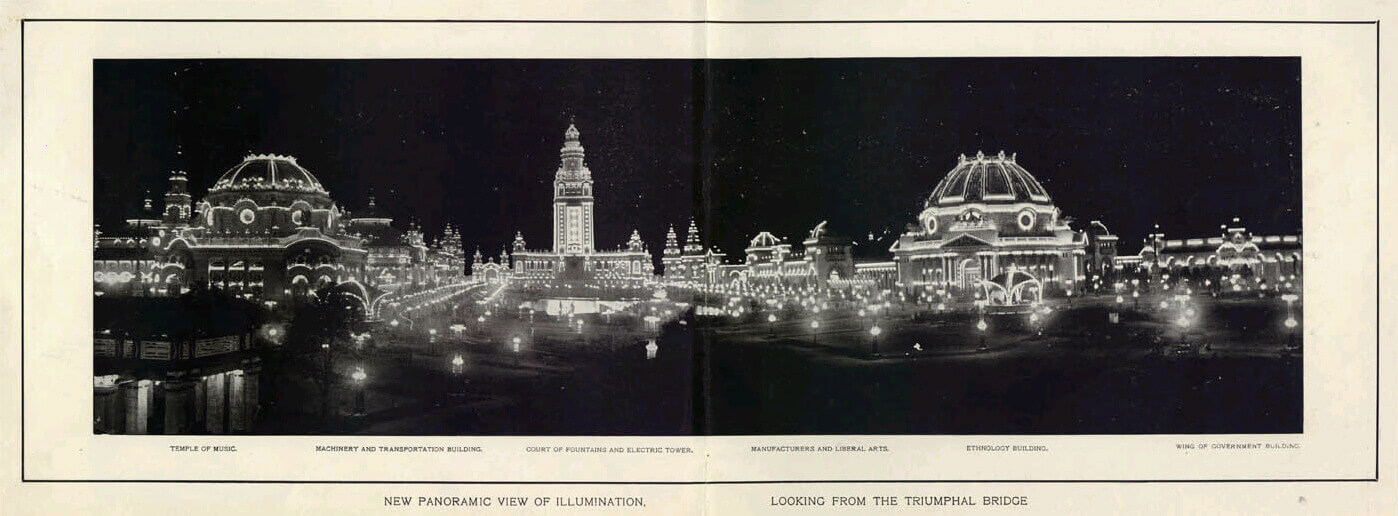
(457, 364)
(815, 325)
(981, 327)
(1183, 323)
(514, 346)
(1290, 322)
(651, 348)
(359, 376)
(771, 325)
(874, 333)
(1291, 331)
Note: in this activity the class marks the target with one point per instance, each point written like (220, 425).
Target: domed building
(399, 260)
(266, 229)
(988, 217)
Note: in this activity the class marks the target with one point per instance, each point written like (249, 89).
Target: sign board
(155, 350)
(215, 346)
(104, 347)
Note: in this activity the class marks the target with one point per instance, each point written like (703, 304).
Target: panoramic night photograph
(866, 246)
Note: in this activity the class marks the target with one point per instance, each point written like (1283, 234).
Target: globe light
(457, 360)
(1290, 322)
(359, 375)
(1183, 322)
(980, 325)
(815, 324)
(875, 331)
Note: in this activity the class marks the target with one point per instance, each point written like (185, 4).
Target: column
(179, 406)
(214, 410)
(199, 402)
(252, 400)
(135, 406)
(106, 410)
(236, 411)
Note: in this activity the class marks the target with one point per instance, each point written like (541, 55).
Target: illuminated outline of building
(1234, 250)
(574, 256)
(989, 219)
(266, 230)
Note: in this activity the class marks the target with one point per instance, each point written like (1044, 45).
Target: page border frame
(1378, 150)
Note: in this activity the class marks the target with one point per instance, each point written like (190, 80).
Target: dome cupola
(986, 179)
(268, 172)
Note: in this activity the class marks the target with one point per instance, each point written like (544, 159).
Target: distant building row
(267, 230)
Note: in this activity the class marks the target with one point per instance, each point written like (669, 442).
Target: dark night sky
(1188, 143)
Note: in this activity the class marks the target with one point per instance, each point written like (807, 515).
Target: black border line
(1378, 239)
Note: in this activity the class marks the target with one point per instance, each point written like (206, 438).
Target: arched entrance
(968, 272)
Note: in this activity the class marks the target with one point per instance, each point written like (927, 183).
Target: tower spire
(572, 198)
(692, 243)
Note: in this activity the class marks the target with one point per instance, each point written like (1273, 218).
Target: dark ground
(1081, 376)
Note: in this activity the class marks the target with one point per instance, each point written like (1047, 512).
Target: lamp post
(1290, 322)
(651, 349)
(359, 376)
(1291, 331)
(981, 327)
(1183, 323)
(771, 325)
(1136, 299)
(815, 325)
(874, 338)
(325, 346)
(514, 347)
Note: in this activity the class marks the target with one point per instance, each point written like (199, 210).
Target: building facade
(266, 230)
(574, 256)
(987, 218)
(398, 260)
(1269, 258)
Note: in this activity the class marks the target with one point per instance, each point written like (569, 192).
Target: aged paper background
(1340, 183)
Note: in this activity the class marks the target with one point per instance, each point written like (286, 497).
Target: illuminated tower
(692, 245)
(572, 199)
(670, 256)
(177, 201)
(693, 259)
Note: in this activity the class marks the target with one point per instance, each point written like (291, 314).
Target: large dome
(989, 180)
(268, 172)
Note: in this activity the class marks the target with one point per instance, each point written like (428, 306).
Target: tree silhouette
(320, 337)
